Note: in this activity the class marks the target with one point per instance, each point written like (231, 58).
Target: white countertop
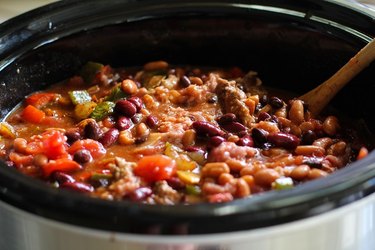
(11, 8)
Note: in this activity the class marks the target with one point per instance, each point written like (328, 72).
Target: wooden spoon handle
(318, 98)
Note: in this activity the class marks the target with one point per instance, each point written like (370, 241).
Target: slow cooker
(293, 45)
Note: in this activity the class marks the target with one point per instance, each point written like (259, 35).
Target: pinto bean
(324, 142)
(129, 87)
(215, 169)
(243, 189)
(265, 177)
(300, 172)
(296, 112)
(310, 150)
(331, 125)
(316, 174)
(156, 65)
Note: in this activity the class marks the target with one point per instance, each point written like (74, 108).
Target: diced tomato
(40, 100)
(96, 148)
(156, 168)
(54, 144)
(32, 114)
(363, 152)
(60, 165)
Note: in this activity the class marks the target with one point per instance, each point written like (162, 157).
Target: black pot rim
(271, 208)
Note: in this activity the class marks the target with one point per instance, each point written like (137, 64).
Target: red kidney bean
(137, 118)
(72, 136)
(82, 156)
(246, 140)
(152, 121)
(263, 116)
(185, 81)
(234, 127)
(140, 194)
(284, 140)
(61, 177)
(259, 135)
(227, 118)
(205, 128)
(276, 102)
(92, 130)
(123, 123)
(314, 162)
(126, 108)
(215, 141)
(110, 137)
(137, 102)
(176, 183)
(78, 186)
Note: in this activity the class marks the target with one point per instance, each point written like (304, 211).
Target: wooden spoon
(318, 98)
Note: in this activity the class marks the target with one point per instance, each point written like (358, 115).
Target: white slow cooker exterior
(351, 227)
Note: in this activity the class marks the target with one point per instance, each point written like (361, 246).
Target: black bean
(284, 140)
(72, 136)
(152, 121)
(140, 194)
(264, 100)
(92, 130)
(276, 102)
(227, 118)
(82, 156)
(212, 98)
(246, 140)
(126, 108)
(61, 177)
(185, 81)
(124, 123)
(259, 135)
(308, 137)
(110, 137)
(206, 129)
(137, 102)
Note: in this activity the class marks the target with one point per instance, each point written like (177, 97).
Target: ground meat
(231, 99)
(165, 194)
(229, 151)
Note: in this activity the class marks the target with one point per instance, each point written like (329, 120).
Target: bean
(110, 137)
(92, 130)
(205, 128)
(137, 102)
(243, 189)
(227, 118)
(246, 140)
(264, 116)
(61, 177)
(185, 81)
(176, 183)
(215, 141)
(276, 102)
(235, 165)
(284, 140)
(129, 87)
(248, 170)
(324, 142)
(220, 197)
(20, 145)
(296, 112)
(234, 127)
(259, 135)
(308, 137)
(78, 186)
(310, 150)
(331, 125)
(152, 121)
(125, 138)
(140, 194)
(40, 160)
(337, 149)
(124, 123)
(214, 169)
(196, 80)
(72, 136)
(109, 122)
(316, 173)
(137, 118)
(211, 98)
(300, 172)
(264, 100)
(156, 65)
(82, 156)
(225, 178)
(126, 108)
(142, 130)
(265, 177)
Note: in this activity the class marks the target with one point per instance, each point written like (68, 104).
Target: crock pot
(294, 45)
